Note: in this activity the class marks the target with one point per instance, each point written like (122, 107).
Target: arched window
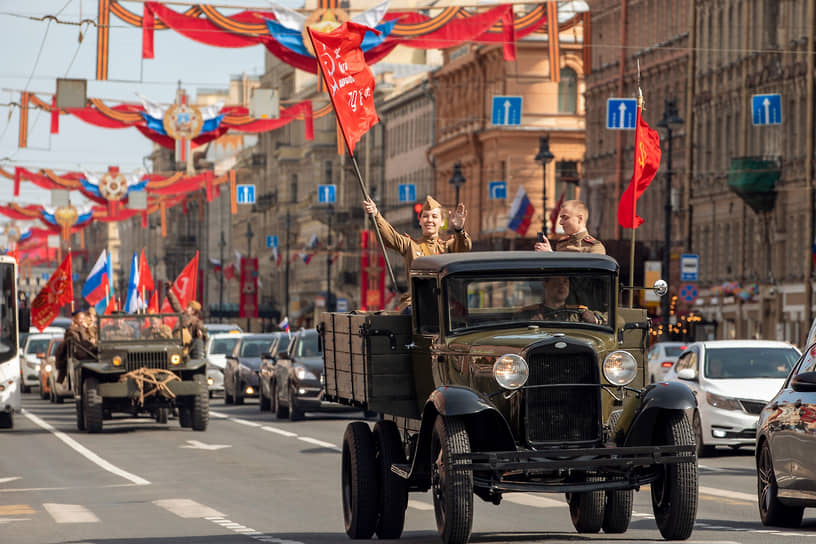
(568, 91)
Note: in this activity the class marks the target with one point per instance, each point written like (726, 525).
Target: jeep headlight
(304, 373)
(175, 359)
(117, 360)
(48, 368)
(511, 371)
(620, 368)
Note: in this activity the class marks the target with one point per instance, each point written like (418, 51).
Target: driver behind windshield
(554, 306)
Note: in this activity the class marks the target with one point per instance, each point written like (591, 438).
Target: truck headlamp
(117, 360)
(511, 371)
(620, 368)
(175, 359)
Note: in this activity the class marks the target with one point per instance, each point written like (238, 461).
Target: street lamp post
(457, 179)
(329, 307)
(221, 245)
(286, 280)
(544, 156)
(249, 234)
(670, 120)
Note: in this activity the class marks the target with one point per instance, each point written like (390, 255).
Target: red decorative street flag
(57, 292)
(249, 287)
(647, 161)
(145, 277)
(348, 78)
(185, 285)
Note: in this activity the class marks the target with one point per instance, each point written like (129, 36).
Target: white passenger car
(662, 357)
(218, 347)
(35, 346)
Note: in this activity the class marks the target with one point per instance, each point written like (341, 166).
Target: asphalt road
(250, 478)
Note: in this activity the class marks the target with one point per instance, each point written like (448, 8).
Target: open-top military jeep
(488, 389)
(140, 366)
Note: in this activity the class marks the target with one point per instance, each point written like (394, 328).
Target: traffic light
(417, 214)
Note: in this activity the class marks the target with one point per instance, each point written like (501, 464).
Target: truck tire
(359, 470)
(162, 414)
(393, 490)
(587, 509)
(771, 511)
(452, 488)
(80, 417)
(185, 417)
(618, 510)
(6, 420)
(280, 411)
(92, 405)
(674, 493)
(201, 405)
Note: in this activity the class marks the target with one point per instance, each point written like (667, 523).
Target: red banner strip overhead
(22, 135)
(552, 37)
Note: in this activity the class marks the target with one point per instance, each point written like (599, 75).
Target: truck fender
(656, 400)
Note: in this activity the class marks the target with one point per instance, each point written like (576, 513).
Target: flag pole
(634, 198)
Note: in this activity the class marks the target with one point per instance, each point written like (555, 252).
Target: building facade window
(568, 91)
(293, 188)
(566, 179)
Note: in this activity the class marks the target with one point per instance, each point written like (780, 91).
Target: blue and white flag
(134, 302)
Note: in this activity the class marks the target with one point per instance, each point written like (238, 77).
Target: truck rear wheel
(618, 510)
(452, 487)
(674, 493)
(201, 405)
(92, 405)
(587, 509)
(393, 490)
(162, 414)
(358, 472)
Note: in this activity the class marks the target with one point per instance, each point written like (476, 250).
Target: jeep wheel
(80, 417)
(264, 401)
(185, 417)
(452, 487)
(587, 509)
(359, 470)
(162, 414)
(702, 449)
(393, 490)
(771, 511)
(674, 493)
(6, 420)
(618, 510)
(201, 405)
(295, 412)
(281, 412)
(92, 405)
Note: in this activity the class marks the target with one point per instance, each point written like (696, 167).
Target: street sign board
(342, 305)
(327, 194)
(272, 241)
(689, 267)
(688, 292)
(621, 113)
(245, 194)
(766, 109)
(506, 110)
(651, 273)
(498, 190)
(407, 192)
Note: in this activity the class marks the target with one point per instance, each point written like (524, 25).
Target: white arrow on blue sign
(621, 113)
(272, 241)
(506, 110)
(766, 109)
(327, 194)
(245, 194)
(498, 190)
(407, 192)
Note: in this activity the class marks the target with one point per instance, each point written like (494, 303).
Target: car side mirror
(804, 382)
(687, 374)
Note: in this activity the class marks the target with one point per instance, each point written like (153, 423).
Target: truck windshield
(137, 327)
(568, 297)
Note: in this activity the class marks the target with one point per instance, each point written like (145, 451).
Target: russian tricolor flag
(521, 212)
(98, 287)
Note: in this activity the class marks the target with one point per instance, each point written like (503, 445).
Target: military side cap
(430, 204)
(195, 305)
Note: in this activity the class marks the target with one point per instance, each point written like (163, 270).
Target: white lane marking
(70, 513)
(196, 445)
(419, 505)
(278, 431)
(10, 479)
(727, 494)
(186, 508)
(535, 501)
(317, 442)
(218, 415)
(711, 469)
(8, 520)
(85, 452)
(245, 422)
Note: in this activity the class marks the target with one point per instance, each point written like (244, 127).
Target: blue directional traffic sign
(407, 192)
(766, 109)
(327, 194)
(506, 110)
(498, 190)
(621, 113)
(272, 241)
(245, 194)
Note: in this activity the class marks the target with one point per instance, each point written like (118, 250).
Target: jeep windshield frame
(139, 328)
(551, 299)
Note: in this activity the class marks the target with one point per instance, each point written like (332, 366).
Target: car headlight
(511, 371)
(48, 368)
(723, 403)
(175, 359)
(304, 373)
(117, 360)
(620, 368)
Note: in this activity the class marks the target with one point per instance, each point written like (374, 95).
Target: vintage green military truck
(140, 366)
(490, 388)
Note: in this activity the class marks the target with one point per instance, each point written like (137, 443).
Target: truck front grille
(569, 413)
(146, 359)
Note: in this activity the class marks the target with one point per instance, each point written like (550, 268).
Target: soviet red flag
(185, 285)
(54, 295)
(647, 161)
(145, 277)
(348, 78)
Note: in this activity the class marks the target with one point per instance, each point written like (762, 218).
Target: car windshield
(749, 362)
(223, 346)
(53, 348)
(551, 299)
(308, 346)
(284, 341)
(137, 327)
(254, 347)
(37, 345)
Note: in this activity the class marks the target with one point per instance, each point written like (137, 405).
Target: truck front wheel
(587, 509)
(358, 472)
(452, 486)
(618, 510)
(201, 405)
(92, 405)
(674, 493)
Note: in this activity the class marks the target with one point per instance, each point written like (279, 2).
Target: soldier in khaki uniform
(573, 219)
(429, 243)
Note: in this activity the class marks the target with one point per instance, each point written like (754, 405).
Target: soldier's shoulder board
(590, 240)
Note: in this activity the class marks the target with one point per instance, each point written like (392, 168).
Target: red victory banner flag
(647, 161)
(348, 78)
(57, 292)
(185, 285)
